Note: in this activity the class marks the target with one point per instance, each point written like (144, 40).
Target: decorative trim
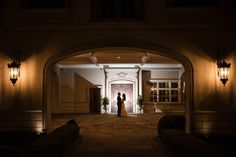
(122, 74)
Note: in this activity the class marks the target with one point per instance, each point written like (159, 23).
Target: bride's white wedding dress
(123, 113)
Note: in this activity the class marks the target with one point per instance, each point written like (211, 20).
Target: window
(165, 91)
(192, 3)
(117, 9)
(153, 92)
(44, 4)
(183, 93)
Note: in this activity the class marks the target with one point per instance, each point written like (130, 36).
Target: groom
(118, 104)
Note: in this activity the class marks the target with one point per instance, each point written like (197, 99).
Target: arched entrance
(111, 45)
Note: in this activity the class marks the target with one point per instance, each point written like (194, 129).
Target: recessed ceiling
(119, 59)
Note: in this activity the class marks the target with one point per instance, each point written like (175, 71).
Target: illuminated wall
(233, 80)
(74, 88)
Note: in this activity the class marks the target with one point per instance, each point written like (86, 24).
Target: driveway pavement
(106, 135)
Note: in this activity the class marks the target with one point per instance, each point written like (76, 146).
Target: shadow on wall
(219, 53)
(10, 54)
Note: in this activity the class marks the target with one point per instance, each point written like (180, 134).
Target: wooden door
(95, 100)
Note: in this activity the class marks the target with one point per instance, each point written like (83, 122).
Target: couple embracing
(121, 105)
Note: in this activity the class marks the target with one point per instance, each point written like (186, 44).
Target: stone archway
(111, 45)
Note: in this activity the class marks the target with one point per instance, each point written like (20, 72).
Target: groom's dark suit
(119, 105)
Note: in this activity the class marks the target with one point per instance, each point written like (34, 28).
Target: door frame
(124, 82)
(92, 88)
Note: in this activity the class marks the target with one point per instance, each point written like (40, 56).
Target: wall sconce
(14, 70)
(223, 71)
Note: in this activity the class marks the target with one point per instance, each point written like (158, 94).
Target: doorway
(126, 89)
(95, 100)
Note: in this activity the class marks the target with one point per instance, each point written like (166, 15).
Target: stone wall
(215, 123)
(27, 120)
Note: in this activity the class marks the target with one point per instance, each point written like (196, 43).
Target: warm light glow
(14, 71)
(183, 87)
(223, 71)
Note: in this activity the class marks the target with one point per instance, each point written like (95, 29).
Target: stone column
(105, 73)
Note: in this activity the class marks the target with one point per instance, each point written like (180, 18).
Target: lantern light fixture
(223, 71)
(14, 70)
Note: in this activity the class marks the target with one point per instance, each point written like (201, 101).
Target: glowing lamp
(223, 71)
(14, 71)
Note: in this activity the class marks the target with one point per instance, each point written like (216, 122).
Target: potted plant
(105, 103)
(140, 103)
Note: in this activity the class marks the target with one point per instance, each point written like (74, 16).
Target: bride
(123, 110)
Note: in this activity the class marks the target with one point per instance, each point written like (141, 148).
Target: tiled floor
(106, 135)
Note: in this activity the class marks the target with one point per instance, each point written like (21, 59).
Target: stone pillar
(105, 73)
(138, 72)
